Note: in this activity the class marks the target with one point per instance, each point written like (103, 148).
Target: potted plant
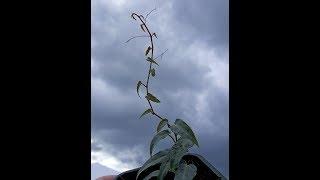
(175, 162)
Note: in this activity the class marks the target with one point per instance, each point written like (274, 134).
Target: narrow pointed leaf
(155, 159)
(151, 60)
(161, 135)
(184, 127)
(146, 112)
(182, 132)
(138, 86)
(155, 35)
(148, 49)
(185, 172)
(178, 150)
(176, 157)
(141, 25)
(153, 72)
(175, 130)
(184, 143)
(153, 174)
(133, 16)
(161, 124)
(152, 98)
(164, 168)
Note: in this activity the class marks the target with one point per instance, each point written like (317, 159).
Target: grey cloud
(216, 151)
(209, 19)
(96, 147)
(179, 82)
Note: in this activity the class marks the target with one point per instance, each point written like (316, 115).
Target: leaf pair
(161, 135)
(181, 128)
(161, 124)
(185, 172)
(153, 72)
(184, 143)
(170, 160)
(155, 159)
(176, 156)
(152, 98)
(161, 173)
(138, 86)
(178, 150)
(152, 61)
(147, 51)
(146, 112)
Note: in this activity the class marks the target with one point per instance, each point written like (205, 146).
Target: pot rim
(190, 154)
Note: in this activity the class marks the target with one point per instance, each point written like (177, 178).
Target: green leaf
(164, 168)
(184, 142)
(153, 174)
(152, 61)
(141, 25)
(161, 135)
(186, 129)
(133, 16)
(161, 124)
(146, 112)
(177, 156)
(153, 72)
(152, 98)
(179, 131)
(185, 172)
(138, 86)
(176, 130)
(155, 35)
(153, 160)
(179, 149)
(148, 49)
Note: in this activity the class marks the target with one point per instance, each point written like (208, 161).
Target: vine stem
(150, 66)
(135, 37)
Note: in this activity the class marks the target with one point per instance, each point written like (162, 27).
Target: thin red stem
(150, 66)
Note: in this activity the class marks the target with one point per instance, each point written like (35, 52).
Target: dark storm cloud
(182, 82)
(207, 19)
(216, 151)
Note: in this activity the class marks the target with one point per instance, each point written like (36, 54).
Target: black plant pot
(205, 171)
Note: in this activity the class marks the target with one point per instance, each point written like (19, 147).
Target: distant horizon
(98, 170)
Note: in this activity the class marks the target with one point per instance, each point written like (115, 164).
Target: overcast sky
(192, 81)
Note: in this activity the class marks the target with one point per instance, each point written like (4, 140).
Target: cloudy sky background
(192, 81)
